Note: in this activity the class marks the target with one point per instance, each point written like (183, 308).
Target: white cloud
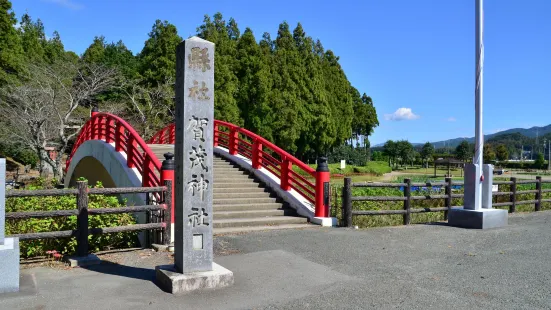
(67, 3)
(401, 114)
(451, 119)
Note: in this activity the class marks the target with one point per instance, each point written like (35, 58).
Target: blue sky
(414, 58)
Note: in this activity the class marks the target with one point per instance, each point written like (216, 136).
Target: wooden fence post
(513, 196)
(448, 200)
(538, 194)
(82, 218)
(334, 210)
(407, 202)
(166, 216)
(347, 202)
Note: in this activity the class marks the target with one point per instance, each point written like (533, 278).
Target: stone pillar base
(174, 282)
(477, 219)
(325, 221)
(9, 265)
(82, 261)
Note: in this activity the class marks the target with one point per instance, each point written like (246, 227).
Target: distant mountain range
(452, 143)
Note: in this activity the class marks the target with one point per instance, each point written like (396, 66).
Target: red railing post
(103, 128)
(108, 134)
(94, 128)
(119, 134)
(234, 136)
(172, 134)
(130, 150)
(95, 110)
(146, 170)
(286, 168)
(322, 188)
(167, 173)
(257, 154)
(216, 134)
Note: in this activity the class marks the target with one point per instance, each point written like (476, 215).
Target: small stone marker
(343, 164)
(9, 247)
(193, 222)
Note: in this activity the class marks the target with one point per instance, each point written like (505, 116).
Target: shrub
(67, 245)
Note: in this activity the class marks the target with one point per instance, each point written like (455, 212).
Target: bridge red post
(322, 188)
(130, 149)
(216, 134)
(172, 135)
(286, 167)
(167, 173)
(257, 154)
(95, 125)
(119, 133)
(108, 134)
(234, 136)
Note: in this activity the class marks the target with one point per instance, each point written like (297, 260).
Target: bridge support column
(322, 214)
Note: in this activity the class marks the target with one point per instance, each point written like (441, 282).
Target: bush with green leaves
(18, 153)
(32, 248)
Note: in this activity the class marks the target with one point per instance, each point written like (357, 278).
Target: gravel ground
(414, 267)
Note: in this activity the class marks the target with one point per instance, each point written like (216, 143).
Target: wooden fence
(513, 195)
(83, 231)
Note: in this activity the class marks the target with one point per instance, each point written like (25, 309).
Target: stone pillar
(9, 247)
(477, 211)
(193, 221)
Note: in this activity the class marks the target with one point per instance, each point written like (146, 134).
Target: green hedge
(32, 248)
(518, 165)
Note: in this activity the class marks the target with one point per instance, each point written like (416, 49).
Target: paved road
(415, 267)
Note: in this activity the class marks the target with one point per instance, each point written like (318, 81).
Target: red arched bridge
(257, 185)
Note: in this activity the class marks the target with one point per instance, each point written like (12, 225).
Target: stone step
(228, 169)
(238, 190)
(223, 165)
(243, 195)
(233, 178)
(239, 184)
(252, 214)
(232, 201)
(247, 207)
(239, 230)
(260, 221)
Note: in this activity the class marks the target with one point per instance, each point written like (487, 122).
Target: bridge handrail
(113, 129)
(260, 151)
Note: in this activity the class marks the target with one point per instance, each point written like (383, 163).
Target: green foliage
(489, 153)
(390, 150)
(11, 51)
(502, 153)
(18, 153)
(68, 245)
(539, 163)
(353, 156)
(374, 167)
(427, 152)
(463, 151)
(158, 57)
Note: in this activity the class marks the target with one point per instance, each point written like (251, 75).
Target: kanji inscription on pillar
(193, 155)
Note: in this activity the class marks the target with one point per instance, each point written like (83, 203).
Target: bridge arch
(97, 160)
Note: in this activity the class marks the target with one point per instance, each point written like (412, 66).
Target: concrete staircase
(240, 203)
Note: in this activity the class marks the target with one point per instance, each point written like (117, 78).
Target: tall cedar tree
(225, 81)
(11, 51)
(158, 57)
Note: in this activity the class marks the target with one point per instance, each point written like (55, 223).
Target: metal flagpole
(479, 136)
(479, 85)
